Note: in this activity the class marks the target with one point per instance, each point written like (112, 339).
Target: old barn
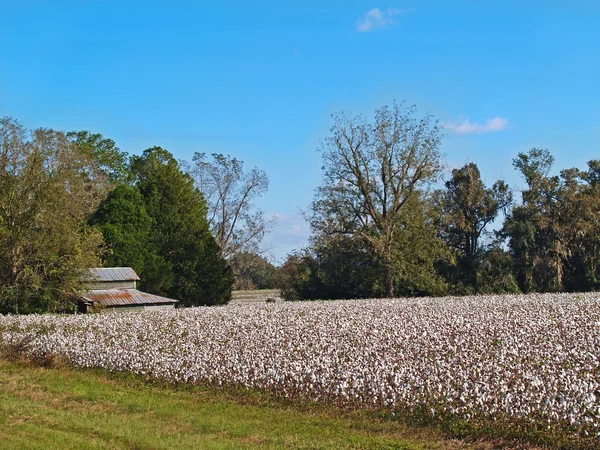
(115, 288)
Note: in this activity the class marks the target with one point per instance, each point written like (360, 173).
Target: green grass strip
(47, 408)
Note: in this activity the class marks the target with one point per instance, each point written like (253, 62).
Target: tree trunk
(389, 280)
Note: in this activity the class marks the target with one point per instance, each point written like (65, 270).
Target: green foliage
(342, 266)
(468, 208)
(418, 249)
(346, 268)
(553, 236)
(298, 277)
(105, 154)
(495, 275)
(48, 189)
(535, 167)
(127, 231)
(370, 170)
(377, 230)
(180, 232)
(520, 228)
(252, 271)
(533, 227)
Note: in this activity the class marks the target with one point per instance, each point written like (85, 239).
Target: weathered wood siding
(136, 308)
(111, 285)
(157, 307)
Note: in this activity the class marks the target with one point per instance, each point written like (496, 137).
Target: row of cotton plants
(529, 358)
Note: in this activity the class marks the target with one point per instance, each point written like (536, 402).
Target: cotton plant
(532, 358)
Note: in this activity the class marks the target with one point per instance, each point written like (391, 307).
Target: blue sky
(259, 80)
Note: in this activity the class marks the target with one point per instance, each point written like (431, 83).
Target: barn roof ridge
(111, 274)
(123, 297)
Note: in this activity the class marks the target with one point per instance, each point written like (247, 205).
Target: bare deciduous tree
(370, 171)
(229, 191)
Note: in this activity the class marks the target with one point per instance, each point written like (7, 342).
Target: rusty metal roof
(112, 274)
(124, 297)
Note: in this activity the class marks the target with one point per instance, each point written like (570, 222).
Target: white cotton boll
(432, 352)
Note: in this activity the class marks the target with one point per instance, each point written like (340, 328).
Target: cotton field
(532, 358)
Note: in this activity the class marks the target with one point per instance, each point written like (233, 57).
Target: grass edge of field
(363, 428)
(37, 400)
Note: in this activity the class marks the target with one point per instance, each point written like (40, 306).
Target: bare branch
(370, 171)
(229, 191)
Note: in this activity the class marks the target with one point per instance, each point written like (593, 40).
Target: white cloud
(376, 19)
(290, 226)
(466, 127)
(290, 233)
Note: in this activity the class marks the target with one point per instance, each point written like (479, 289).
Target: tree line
(384, 221)
(382, 226)
(70, 201)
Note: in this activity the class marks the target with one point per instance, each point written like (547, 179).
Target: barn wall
(158, 307)
(138, 308)
(111, 285)
(123, 309)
